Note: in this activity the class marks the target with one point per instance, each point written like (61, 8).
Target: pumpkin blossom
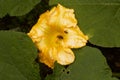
(55, 33)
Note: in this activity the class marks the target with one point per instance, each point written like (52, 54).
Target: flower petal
(39, 29)
(75, 38)
(61, 16)
(65, 56)
(48, 56)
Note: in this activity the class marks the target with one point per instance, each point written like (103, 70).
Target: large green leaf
(90, 64)
(17, 57)
(16, 7)
(99, 19)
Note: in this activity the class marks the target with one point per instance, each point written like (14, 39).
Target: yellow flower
(55, 33)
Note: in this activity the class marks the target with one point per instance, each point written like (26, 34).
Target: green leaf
(90, 64)
(16, 7)
(17, 57)
(99, 19)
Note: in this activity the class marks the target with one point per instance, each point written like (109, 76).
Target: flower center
(65, 32)
(60, 37)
